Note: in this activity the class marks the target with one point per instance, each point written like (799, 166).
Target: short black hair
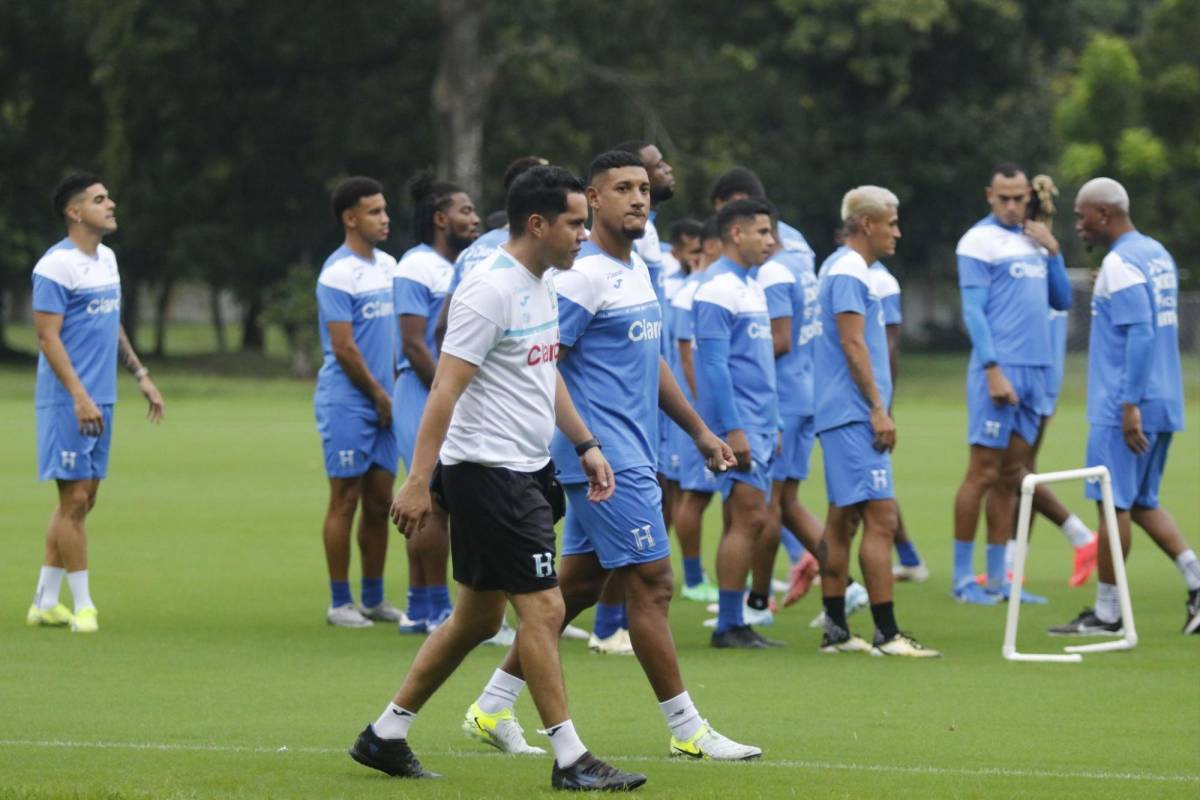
(739, 180)
(1009, 169)
(685, 228)
(68, 188)
(612, 159)
(496, 220)
(542, 191)
(738, 210)
(519, 165)
(709, 230)
(347, 193)
(429, 196)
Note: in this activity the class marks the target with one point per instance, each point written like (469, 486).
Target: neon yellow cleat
(84, 621)
(707, 743)
(55, 617)
(500, 730)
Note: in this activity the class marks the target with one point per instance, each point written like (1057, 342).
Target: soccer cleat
(972, 593)
(765, 640)
(703, 592)
(1088, 624)
(982, 578)
(741, 638)
(55, 617)
(347, 616)
(1028, 598)
(85, 620)
(779, 586)
(1193, 612)
(384, 612)
(837, 640)
(504, 637)
(575, 633)
(750, 616)
(438, 619)
(707, 743)
(409, 625)
(500, 730)
(917, 574)
(1085, 562)
(391, 756)
(800, 579)
(590, 774)
(902, 644)
(618, 644)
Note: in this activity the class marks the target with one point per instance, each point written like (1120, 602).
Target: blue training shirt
(352, 289)
(1138, 283)
(790, 284)
(476, 253)
(421, 283)
(610, 318)
(86, 291)
(845, 287)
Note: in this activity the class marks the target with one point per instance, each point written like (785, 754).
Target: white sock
(78, 581)
(682, 717)
(393, 722)
(567, 747)
(1010, 555)
(500, 693)
(1108, 602)
(1189, 565)
(48, 586)
(1076, 531)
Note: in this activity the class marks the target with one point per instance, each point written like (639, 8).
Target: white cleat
(384, 612)
(616, 645)
(501, 731)
(708, 744)
(917, 574)
(576, 633)
(504, 637)
(750, 616)
(347, 616)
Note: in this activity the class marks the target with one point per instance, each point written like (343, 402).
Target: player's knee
(75, 502)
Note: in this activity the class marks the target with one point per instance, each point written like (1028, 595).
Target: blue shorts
(64, 453)
(694, 474)
(627, 528)
(354, 442)
(991, 425)
(855, 471)
(1135, 478)
(762, 457)
(408, 403)
(668, 456)
(798, 436)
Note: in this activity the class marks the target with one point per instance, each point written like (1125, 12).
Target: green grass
(213, 655)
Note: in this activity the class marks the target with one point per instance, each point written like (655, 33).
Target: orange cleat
(1085, 562)
(800, 579)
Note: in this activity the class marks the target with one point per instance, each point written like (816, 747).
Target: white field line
(826, 766)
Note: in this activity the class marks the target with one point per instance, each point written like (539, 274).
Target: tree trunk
(131, 308)
(162, 311)
(460, 92)
(218, 319)
(252, 330)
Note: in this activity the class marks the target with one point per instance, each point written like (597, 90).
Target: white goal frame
(1072, 654)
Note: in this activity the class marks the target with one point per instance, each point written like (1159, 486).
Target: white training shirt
(505, 321)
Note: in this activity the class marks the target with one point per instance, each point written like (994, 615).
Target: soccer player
(682, 256)
(77, 318)
(856, 429)
(1135, 394)
(741, 183)
(609, 325)
(445, 224)
(352, 402)
(1011, 273)
(483, 448)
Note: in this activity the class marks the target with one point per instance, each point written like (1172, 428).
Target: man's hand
(885, 430)
(1040, 233)
(91, 421)
(383, 409)
(1000, 389)
(718, 456)
(411, 506)
(601, 482)
(1131, 427)
(743, 457)
(155, 412)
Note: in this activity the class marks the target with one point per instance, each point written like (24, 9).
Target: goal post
(1072, 654)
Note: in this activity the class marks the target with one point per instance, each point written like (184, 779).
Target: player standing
(77, 318)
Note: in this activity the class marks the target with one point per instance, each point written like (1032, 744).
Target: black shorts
(501, 525)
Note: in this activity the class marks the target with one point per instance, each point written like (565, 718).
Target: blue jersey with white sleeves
(420, 286)
(729, 310)
(791, 289)
(476, 253)
(794, 242)
(845, 287)
(1013, 268)
(1137, 283)
(86, 291)
(352, 289)
(611, 321)
(887, 289)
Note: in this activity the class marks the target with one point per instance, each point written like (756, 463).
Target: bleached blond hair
(866, 201)
(1104, 191)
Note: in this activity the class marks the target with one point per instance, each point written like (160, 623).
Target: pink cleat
(800, 579)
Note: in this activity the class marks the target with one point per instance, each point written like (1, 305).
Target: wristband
(583, 447)
(140, 373)
(989, 364)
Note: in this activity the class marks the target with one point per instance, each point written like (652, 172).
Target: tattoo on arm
(125, 353)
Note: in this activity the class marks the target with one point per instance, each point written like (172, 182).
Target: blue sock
(995, 566)
(372, 592)
(608, 620)
(964, 562)
(729, 609)
(693, 571)
(341, 593)
(795, 550)
(418, 603)
(908, 554)
(439, 599)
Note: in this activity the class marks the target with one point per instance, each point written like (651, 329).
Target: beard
(459, 242)
(661, 194)
(633, 234)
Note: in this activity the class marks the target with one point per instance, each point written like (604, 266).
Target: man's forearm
(672, 401)
(431, 432)
(125, 354)
(566, 416)
(420, 360)
(355, 366)
(858, 360)
(688, 364)
(60, 363)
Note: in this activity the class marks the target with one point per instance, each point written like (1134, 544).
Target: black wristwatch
(989, 364)
(583, 447)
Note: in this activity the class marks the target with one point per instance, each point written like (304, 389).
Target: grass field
(214, 674)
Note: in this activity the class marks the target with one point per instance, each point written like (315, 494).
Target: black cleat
(1193, 612)
(766, 642)
(1087, 624)
(590, 774)
(743, 638)
(392, 756)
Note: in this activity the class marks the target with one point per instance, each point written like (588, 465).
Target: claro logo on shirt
(756, 330)
(104, 305)
(1027, 269)
(542, 354)
(642, 329)
(377, 308)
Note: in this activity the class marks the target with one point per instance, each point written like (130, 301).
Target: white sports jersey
(505, 321)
